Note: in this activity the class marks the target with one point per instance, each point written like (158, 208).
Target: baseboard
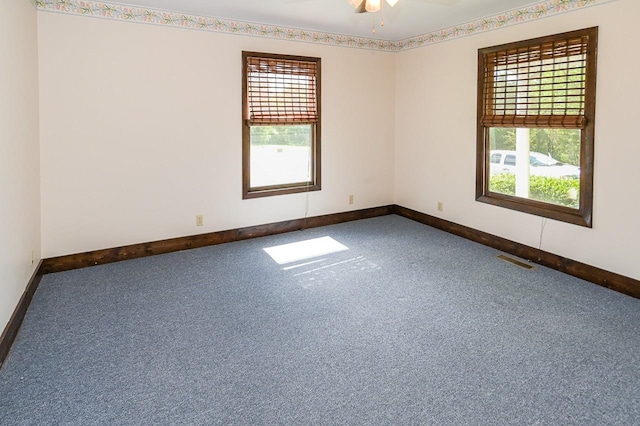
(11, 330)
(611, 280)
(617, 282)
(595, 275)
(99, 257)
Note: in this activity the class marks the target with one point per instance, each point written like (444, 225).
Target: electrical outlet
(199, 220)
(440, 206)
(350, 199)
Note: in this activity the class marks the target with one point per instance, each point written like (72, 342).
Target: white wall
(19, 157)
(436, 137)
(141, 131)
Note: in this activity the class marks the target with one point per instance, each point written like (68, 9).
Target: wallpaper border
(120, 12)
(511, 17)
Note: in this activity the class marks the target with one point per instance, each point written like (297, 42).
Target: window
(536, 101)
(510, 160)
(281, 124)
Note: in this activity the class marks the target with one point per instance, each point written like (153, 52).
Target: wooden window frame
(581, 216)
(290, 188)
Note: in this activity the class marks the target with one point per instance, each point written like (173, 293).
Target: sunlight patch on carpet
(308, 249)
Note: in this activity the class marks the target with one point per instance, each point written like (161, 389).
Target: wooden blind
(540, 85)
(281, 91)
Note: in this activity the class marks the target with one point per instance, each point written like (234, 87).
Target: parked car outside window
(504, 161)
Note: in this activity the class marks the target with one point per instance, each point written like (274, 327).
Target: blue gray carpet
(405, 325)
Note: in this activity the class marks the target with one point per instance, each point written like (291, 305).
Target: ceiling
(407, 19)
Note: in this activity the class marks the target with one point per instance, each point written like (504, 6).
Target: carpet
(388, 322)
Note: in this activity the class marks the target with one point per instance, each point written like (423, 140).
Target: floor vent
(514, 261)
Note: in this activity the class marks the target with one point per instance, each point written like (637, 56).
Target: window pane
(280, 155)
(552, 172)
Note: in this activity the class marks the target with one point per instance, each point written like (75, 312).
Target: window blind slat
(537, 85)
(539, 121)
(281, 91)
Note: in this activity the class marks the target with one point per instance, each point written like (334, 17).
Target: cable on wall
(542, 225)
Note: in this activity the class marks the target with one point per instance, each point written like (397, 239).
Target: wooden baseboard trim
(99, 257)
(586, 272)
(611, 280)
(13, 326)
(617, 282)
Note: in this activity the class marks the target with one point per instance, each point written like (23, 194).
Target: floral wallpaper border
(158, 17)
(512, 17)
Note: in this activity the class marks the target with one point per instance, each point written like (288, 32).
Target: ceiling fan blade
(355, 3)
(441, 2)
(360, 6)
